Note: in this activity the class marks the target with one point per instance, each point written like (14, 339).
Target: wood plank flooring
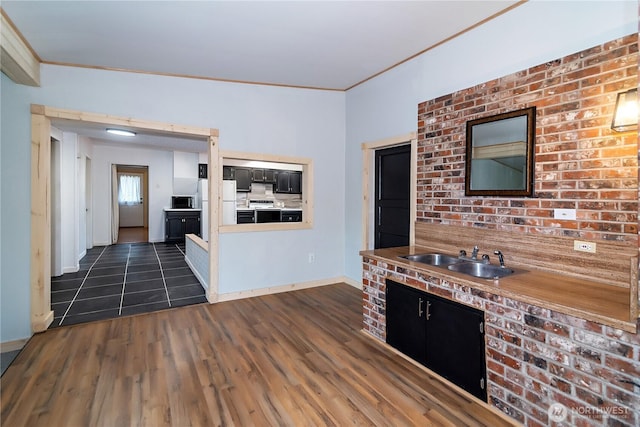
(291, 359)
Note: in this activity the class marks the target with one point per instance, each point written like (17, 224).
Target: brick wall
(535, 357)
(580, 163)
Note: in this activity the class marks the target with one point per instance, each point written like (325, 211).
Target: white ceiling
(319, 44)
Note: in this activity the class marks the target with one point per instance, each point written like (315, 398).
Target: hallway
(124, 279)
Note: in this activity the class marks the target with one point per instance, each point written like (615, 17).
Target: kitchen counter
(182, 210)
(590, 300)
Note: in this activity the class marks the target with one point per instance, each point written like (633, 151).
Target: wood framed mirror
(499, 154)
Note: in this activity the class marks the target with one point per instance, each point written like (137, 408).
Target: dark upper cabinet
(257, 175)
(289, 182)
(270, 176)
(243, 179)
(284, 181)
(203, 170)
(445, 336)
(227, 172)
(295, 182)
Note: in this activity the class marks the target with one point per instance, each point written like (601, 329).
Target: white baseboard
(73, 269)
(285, 288)
(13, 345)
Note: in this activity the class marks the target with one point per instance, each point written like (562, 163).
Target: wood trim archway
(40, 258)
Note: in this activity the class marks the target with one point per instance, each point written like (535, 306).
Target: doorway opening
(42, 119)
(131, 208)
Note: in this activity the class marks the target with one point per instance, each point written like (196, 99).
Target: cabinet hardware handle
(428, 310)
(482, 383)
(482, 327)
(420, 307)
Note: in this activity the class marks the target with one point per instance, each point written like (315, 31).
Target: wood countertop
(589, 300)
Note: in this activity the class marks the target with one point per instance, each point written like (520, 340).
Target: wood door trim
(40, 256)
(368, 173)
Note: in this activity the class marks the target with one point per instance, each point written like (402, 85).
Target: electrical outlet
(312, 257)
(581, 246)
(566, 214)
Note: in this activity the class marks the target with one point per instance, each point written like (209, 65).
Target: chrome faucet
(485, 259)
(500, 257)
(474, 254)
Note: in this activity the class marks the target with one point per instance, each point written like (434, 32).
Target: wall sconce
(625, 115)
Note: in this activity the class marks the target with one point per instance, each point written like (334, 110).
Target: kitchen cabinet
(445, 336)
(179, 223)
(289, 182)
(406, 329)
(257, 175)
(270, 176)
(227, 173)
(243, 179)
(291, 216)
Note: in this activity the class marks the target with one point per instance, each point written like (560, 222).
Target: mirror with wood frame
(499, 154)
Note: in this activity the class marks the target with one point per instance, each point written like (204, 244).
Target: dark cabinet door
(445, 336)
(295, 182)
(406, 320)
(289, 182)
(179, 223)
(227, 173)
(455, 345)
(173, 227)
(282, 182)
(257, 175)
(192, 225)
(269, 176)
(243, 179)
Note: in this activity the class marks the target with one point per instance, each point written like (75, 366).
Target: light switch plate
(566, 214)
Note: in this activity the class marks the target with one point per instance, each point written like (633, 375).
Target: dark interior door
(393, 184)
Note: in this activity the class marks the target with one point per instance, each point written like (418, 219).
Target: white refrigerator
(229, 202)
(203, 204)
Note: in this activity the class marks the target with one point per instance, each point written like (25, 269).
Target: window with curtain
(129, 190)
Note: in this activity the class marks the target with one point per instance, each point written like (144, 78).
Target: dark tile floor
(124, 279)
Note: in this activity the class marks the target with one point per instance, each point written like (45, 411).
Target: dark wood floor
(294, 359)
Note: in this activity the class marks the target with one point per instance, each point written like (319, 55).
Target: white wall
(252, 118)
(160, 165)
(534, 33)
(295, 122)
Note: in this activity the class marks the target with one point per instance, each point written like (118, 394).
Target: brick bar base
(536, 357)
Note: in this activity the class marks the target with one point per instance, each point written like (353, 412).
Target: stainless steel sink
(436, 259)
(482, 271)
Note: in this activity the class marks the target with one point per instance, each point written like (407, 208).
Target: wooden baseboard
(41, 323)
(284, 288)
(351, 282)
(13, 345)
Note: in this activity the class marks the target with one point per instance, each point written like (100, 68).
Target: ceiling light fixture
(625, 115)
(121, 132)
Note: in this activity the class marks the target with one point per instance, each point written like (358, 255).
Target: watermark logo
(558, 412)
